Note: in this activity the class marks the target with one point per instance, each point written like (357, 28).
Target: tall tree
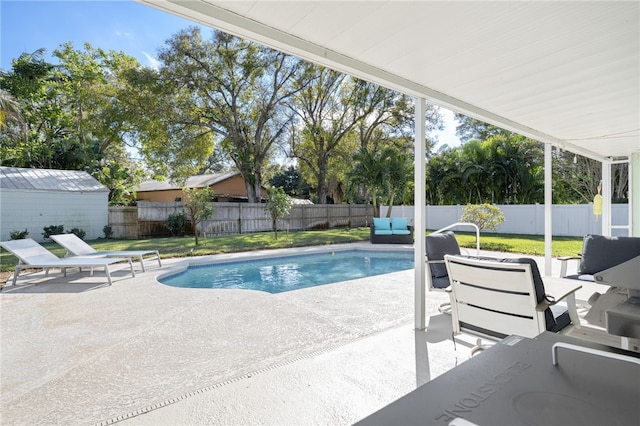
(71, 114)
(368, 172)
(229, 89)
(329, 108)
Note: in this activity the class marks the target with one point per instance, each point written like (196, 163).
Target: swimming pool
(279, 274)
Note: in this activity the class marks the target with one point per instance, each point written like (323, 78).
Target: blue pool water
(275, 275)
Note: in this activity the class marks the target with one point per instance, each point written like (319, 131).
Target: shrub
(52, 230)
(278, 205)
(18, 235)
(198, 204)
(108, 231)
(80, 233)
(177, 224)
(486, 216)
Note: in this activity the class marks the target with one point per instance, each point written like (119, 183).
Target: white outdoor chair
(500, 297)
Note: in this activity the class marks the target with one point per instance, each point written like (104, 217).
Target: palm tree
(398, 171)
(368, 171)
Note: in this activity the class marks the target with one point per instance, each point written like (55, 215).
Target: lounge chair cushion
(437, 245)
(600, 252)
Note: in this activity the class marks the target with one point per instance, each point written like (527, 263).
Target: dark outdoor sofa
(394, 230)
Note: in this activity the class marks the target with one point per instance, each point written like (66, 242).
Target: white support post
(420, 213)
(634, 194)
(548, 212)
(606, 198)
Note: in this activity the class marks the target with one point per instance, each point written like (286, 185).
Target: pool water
(276, 275)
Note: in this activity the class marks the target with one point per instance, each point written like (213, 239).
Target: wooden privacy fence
(238, 218)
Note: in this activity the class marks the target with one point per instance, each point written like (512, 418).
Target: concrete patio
(77, 351)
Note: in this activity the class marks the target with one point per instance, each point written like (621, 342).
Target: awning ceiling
(561, 72)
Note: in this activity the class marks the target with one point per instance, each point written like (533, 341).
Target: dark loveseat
(394, 230)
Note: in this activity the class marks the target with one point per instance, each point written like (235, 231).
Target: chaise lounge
(30, 254)
(394, 230)
(75, 246)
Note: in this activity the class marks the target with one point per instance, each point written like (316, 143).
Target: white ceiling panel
(561, 72)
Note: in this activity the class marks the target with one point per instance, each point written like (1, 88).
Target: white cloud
(153, 62)
(124, 34)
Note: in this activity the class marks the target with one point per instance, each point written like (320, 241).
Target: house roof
(562, 72)
(198, 181)
(48, 180)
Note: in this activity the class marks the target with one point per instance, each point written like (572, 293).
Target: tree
(329, 108)
(398, 173)
(576, 179)
(71, 115)
(225, 89)
(120, 177)
(291, 181)
(485, 216)
(469, 129)
(505, 168)
(197, 202)
(278, 205)
(9, 110)
(368, 172)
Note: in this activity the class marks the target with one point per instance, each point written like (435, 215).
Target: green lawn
(185, 246)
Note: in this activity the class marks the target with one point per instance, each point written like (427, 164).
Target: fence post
(326, 213)
(239, 218)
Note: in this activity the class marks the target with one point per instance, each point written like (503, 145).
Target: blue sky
(121, 25)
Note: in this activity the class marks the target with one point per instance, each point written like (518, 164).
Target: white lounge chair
(30, 254)
(76, 247)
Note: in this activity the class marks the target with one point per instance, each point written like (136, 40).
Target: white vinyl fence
(575, 220)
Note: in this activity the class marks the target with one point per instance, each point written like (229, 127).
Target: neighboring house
(228, 187)
(32, 199)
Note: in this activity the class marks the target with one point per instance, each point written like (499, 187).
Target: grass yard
(185, 246)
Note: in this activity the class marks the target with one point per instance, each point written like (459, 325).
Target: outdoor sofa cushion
(382, 226)
(399, 226)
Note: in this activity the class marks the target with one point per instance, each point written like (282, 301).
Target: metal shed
(36, 198)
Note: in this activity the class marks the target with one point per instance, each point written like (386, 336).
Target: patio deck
(139, 352)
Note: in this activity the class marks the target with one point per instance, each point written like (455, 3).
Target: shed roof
(198, 181)
(49, 180)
